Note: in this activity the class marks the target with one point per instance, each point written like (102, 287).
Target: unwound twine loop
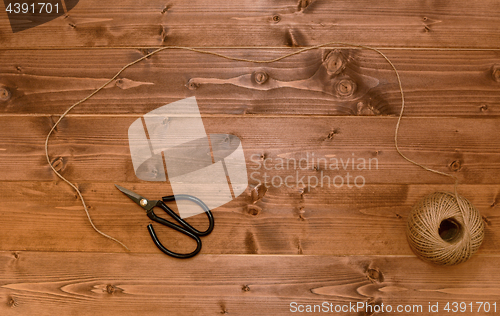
(439, 231)
(461, 208)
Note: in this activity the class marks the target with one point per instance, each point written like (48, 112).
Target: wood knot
(495, 73)
(300, 251)
(374, 275)
(163, 33)
(292, 38)
(145, 52)
(110, 289)
(301, 191)
(276, 18)
(301, 213)
(332, 134)
(483, 108)
(253, 210)
(223, 309)
(58, 164)
(192, 84)
(165, 9)
(4, 94)
(258, 193)
(303, 4)
(16, 255)
(245, 288)
(334, 63)
(496, 201)
(260, 77)
(11, 302)
(345, 87)
(486, 220)
(363, 108)
(455, 165)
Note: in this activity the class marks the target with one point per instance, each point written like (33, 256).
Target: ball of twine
(445, 228)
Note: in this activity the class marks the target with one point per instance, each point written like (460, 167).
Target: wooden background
(269, 247)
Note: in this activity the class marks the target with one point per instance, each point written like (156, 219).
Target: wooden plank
(436, 83)
(46, 216)
(471, 24)
(95, 148)
(121, 284)
(270, 247)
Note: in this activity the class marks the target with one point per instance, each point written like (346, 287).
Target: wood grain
(471, 24)
(46, 216)
(271, 245)
(436, 83)
(86, 283)
(92, 148)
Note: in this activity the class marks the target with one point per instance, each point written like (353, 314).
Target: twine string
(77, 190)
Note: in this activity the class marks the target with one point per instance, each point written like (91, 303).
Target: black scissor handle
(186, 229)
(171, 253)
(182, 222)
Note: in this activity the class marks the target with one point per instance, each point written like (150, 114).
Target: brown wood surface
(273, 246)
(94, 23)
(436, 83)
(129, 284)
(321, 221)
(89, 148)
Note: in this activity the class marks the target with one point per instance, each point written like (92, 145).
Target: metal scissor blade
(132, 195)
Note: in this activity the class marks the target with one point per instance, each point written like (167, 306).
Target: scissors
(185, 228)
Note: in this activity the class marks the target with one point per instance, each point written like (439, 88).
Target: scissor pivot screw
(144, 202)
